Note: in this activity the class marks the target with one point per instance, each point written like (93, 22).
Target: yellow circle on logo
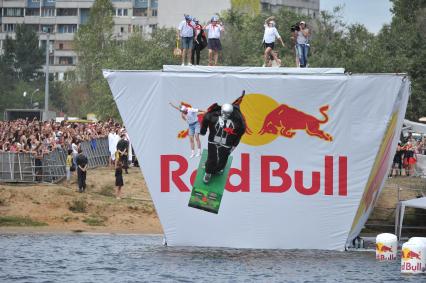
(255, 107)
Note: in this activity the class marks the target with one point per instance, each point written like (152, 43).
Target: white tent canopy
(400, 210)
(414, 126)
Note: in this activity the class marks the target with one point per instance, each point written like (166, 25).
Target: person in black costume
(226, 126)
(200, 42)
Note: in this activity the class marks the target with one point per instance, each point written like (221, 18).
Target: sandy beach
(65, 210)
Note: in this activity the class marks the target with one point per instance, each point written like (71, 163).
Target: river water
(136, 258)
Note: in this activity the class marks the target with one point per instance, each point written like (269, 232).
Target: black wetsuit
(223, 136)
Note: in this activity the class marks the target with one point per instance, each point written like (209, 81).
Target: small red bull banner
(305, 174)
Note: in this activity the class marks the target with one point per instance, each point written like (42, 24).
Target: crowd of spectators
(34, 136)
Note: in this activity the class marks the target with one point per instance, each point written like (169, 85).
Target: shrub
(78, 205)
(107, 191)
(95, 220)
(19, 221)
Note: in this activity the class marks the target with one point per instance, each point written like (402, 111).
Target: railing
(22, 168)
(97, 152)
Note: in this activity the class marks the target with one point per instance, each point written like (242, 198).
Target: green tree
(28, 56)
(95, 47)
(402, 44)
(94, 41)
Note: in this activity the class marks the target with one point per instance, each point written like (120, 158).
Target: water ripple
(133, 258)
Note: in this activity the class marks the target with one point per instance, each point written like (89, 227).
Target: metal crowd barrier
(16, 167)
(21, 168)
(97, 152)
(53, 166)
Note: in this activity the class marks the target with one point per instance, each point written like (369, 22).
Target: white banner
(305, 175)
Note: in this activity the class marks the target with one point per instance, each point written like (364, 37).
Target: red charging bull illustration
(285, 120)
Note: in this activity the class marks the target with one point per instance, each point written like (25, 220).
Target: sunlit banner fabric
(307, 171)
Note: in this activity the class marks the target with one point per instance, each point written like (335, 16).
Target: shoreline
(60, 209)
(50, 231)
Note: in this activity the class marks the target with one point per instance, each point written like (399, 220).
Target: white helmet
(226, 110)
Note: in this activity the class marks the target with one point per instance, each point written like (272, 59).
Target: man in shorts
(214, 30)
(186, 35)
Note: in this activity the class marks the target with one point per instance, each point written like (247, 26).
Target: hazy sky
(371, 13)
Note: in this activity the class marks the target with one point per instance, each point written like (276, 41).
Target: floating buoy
(413, 256)
(418, 239)
(386, 247)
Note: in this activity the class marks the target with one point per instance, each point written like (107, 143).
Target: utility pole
(46, 87)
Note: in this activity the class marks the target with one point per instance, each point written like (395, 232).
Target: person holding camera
(302, 34)
(269, 37)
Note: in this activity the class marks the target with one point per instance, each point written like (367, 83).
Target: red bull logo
(285, 120)
(384, 252)
(408, 254)
(267, 120)
(411, 261)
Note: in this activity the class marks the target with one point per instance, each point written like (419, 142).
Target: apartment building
(62, 19)
(303, 7)
(172, 11)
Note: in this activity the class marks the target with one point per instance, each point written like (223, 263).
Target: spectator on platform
(302, 44)
(186, 35)
(200, 42)
(270, 35)
(215, 30)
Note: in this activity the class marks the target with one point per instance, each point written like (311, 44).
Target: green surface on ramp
(209, 196)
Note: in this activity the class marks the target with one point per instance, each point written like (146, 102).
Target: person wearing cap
(200, 42)
(190, 115)
(186, 34)
(269, 37)
(302, 43)
(215, 30)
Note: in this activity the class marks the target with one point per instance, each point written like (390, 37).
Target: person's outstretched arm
(174, 106)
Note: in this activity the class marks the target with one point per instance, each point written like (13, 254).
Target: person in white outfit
(269, 37)
(186, 34)
(214, 31)
(190, 115)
